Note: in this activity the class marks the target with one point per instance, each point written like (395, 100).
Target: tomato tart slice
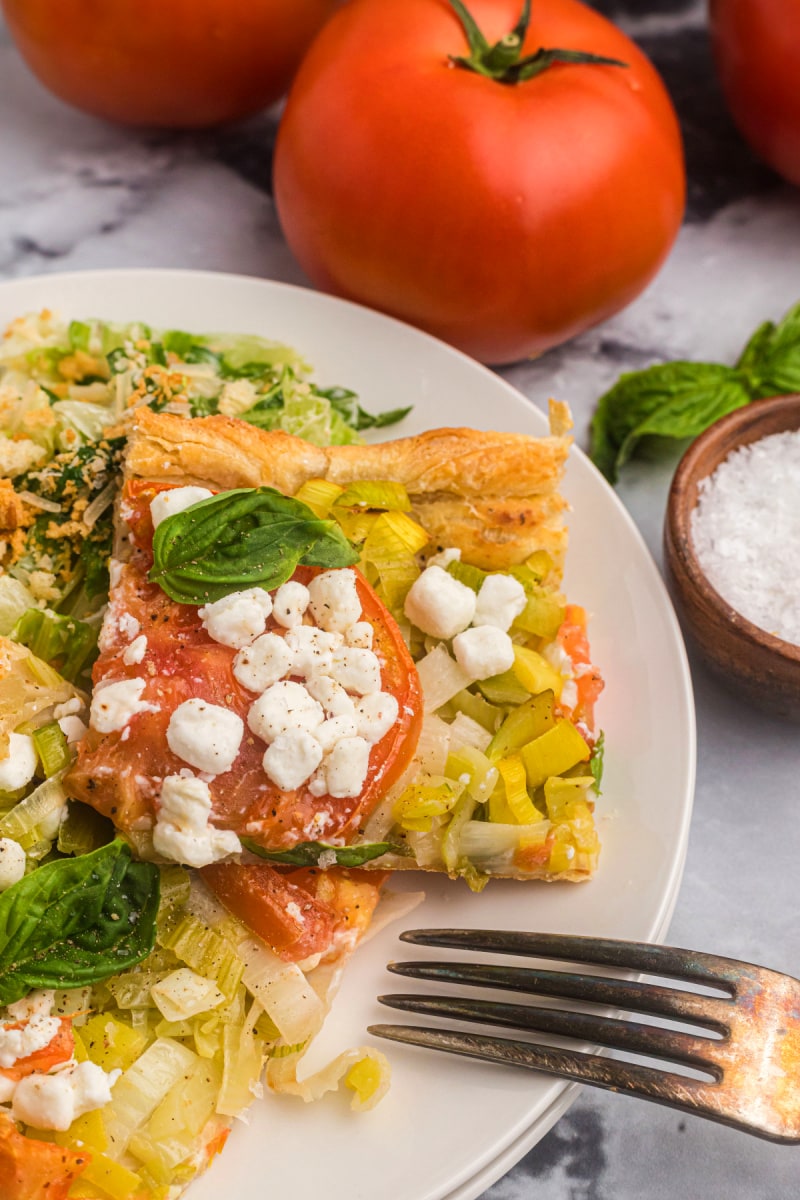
(395, 678)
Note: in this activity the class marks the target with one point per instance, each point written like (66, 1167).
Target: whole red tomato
(171, 63)
(757, 51)
(504, 217)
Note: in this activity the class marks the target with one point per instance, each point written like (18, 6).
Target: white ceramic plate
(449, 1127)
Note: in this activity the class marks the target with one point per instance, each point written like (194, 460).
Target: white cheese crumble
(136, 651)
(444, 557)
(334, 729)
(182, 832)
(500, 601)
(292, 758)
(263, 662)
(290, 603)
(376, 714)
(331, 695)
(483, 651)
(334, 599)
(438, 604)
(359, 634)
(356, 670)
(115, 704)
(175, 500)
(38, 1003)
(236, 620)
(283, 707)
(346, 767)
(18, 767)
(34, 1033)
(312, 649)
(73, 728)
(54, 1101)
(204, 735)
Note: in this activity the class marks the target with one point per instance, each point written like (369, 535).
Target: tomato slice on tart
(120, 773)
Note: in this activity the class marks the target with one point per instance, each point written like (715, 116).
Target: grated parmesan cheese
(746, 532)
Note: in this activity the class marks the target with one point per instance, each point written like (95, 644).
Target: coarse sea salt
(746, 532)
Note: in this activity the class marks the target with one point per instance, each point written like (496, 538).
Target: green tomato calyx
(503, 62)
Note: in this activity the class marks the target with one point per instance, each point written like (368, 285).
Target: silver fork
(753, 1062)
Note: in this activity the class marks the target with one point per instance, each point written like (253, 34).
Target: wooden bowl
(762, 668)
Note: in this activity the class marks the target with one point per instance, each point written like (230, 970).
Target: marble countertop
(76, 193)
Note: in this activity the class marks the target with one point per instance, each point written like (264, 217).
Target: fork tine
(708, 1011)
(630, 1036)
(663, 1087)
(710, 969)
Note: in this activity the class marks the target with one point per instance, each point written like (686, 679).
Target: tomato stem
(502, 62)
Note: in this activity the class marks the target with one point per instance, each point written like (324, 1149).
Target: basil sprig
(77, 921)
(681, 399)
(306, 854)
(250, 537)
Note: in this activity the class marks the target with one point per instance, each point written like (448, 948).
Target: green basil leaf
(250, 537)
(306, 854)
(672, 400)
(771, 358)
(77, 921)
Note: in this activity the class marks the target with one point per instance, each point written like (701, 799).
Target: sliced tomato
(298, 913)
(33, 1170)
(59, 1050)
(573, 639)
(120, 777)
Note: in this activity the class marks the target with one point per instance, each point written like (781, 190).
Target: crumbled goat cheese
(38, 1003)
(500, 601)
(331, 695)
(438, 604)
(236, 620)
(182, 832)
(483, 651)
(334, 729)
(290, 603)
(263, 662)
(115, 704)
(444, 558)
(292, 758)
(136, 651)
(73, 728)
(55, 1101)
(746, 532)
(346, 767)
(18, 767)
(12, 863)
(175, 500)
(312, 649)
(360, 634)
(356, 670)
(68, 708)
(376, 714)
(284, 706)
(334, 599)
(33, 1034)
(204, 735)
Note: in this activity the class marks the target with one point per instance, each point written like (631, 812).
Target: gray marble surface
(76, 193)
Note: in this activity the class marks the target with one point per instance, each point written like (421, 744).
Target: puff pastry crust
(494, 495)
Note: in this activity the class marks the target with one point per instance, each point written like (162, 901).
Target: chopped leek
(535, 673)
(382, 494)
(183, 994)
(319, 495)
(522, 725)
(512, 771)
(83, 830)
(421, 803)
(51, 746)
(471, 577)
(553, 753)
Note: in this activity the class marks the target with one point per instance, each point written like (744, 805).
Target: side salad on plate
(196, 547)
